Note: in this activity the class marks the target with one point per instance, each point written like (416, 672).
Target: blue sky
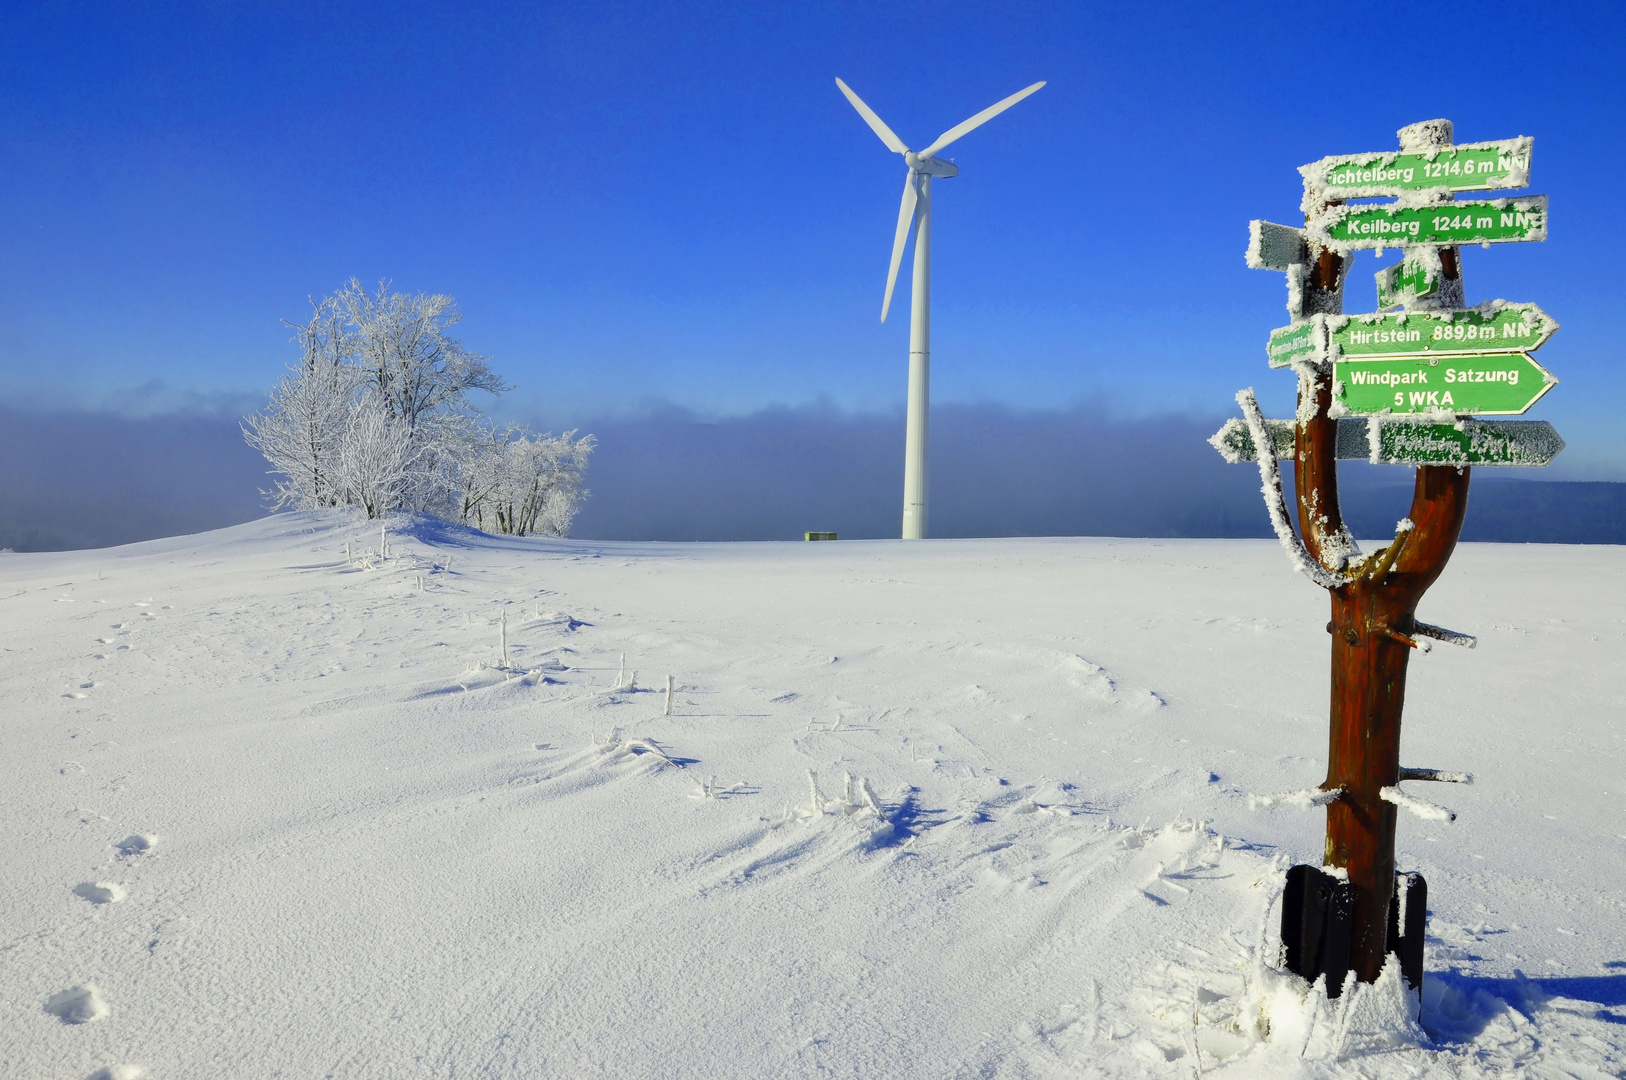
(645, 204)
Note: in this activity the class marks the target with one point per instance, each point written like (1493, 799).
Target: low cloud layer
(72, 480)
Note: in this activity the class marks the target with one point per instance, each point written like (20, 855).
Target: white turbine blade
(893, 143)
(906, 217)
(977, 121)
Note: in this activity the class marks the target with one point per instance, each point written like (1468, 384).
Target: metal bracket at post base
(1316, 926)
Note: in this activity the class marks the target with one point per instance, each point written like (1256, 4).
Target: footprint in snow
(99, 892)
(118, 1072)
(77, 1005)
(136, 844)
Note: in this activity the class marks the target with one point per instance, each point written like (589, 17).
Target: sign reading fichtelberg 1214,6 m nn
(1482, 166)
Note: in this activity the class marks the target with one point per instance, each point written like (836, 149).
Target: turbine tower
(916, 209)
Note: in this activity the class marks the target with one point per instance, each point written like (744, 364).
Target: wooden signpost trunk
(1371, 628)
(1372, 641)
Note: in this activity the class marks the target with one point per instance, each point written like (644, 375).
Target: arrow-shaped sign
(1481, 221)
(1498, 384)
(1512, 443)
(1469, 167)
(1495, 326)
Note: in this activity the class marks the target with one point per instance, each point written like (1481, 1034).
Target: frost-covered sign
(1409, 442)
(1493, 385)
(1492, 327)
(1468, 442)
(1275, 247)
(1485, 166)
(1303, 341)
(1481, 221)
(1407, 281)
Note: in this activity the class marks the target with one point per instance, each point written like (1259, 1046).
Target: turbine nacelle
(931, 166)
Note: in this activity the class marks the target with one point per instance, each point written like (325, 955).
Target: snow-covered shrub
(517, 483)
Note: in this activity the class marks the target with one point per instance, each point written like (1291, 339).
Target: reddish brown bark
(1372, 623)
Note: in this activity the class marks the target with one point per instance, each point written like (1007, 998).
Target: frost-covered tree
(418, 370)
(380, 465)
(519, 483)
(377, 415)
(304, 427)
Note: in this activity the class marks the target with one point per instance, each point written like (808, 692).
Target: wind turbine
(916, 209)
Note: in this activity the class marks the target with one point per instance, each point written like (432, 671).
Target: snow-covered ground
(940, 809)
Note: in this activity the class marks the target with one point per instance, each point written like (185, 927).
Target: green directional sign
(1482, 221)
(1493, 327)
(1500, 384)
(1512, 443)
(1301, 341)
(1469, 167)
(1235, 443)
(1407, 281)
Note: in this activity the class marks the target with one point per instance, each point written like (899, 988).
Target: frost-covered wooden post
(1420, 373)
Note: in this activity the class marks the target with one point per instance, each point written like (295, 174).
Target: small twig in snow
(1440, 775)
(1307, 799)
(1421, 807)
(1440, 633)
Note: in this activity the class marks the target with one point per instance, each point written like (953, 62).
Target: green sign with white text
(1493, 385)
(1484, 221)
(1515, 443)
(1301, 341)
(1469, 167)
(1495, 327)
(1405, 282)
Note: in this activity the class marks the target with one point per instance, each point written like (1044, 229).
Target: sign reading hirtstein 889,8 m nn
(1480, 221)
(1482, 166)
(1495, 326)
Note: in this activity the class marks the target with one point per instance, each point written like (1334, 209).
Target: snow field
(273, 809)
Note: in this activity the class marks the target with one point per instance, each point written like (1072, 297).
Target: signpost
(1421, 374)
(1500, 384)
(1487, 221)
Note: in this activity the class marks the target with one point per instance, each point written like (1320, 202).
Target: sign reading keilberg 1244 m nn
(1482, 166)
(1481, 221)
(1494, 385)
